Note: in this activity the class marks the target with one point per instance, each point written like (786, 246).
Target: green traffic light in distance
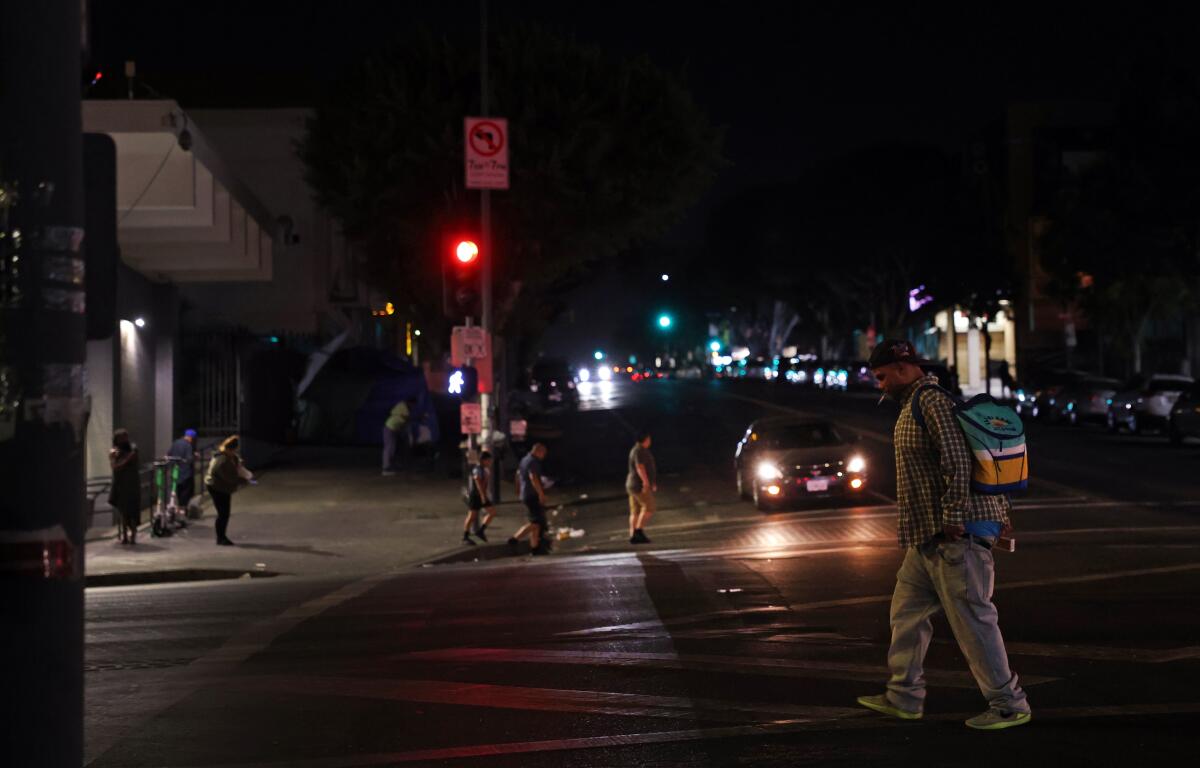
(664, 321)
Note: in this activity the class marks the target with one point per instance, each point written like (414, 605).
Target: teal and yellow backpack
(996, 437)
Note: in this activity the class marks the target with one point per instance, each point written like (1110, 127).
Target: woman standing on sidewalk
(225, 475)
(125, 495)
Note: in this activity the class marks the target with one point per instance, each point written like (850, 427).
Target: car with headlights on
(786, 459)
(1147, 402)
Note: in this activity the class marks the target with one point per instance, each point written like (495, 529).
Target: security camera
(185, 140)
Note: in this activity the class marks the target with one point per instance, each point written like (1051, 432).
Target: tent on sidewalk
(351, 395)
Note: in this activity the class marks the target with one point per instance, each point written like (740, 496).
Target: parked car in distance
(1147, 402)
(786, 458)
(1086, 400)
(1185, 416)
(1043, 387)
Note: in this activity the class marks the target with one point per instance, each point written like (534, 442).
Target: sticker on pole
(471, 418)
(486, 143)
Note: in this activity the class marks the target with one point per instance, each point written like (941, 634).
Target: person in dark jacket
(184, 449)
(125, 495)
(225, 475)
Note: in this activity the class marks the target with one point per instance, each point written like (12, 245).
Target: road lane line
(615, 741)
(867, 600)
(680, 621)
(769, 666)
(533, 699)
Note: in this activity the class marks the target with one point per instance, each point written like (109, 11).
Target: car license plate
(818, 485)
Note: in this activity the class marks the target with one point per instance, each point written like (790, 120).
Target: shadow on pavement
(299, 550)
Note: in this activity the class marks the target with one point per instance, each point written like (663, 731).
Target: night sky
(791, 82)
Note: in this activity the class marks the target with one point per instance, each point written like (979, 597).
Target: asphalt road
(736, 638)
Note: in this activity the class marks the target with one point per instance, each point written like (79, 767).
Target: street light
(715, 346)
(665, 277)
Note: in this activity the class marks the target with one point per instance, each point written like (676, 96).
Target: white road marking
(770, 666)
(1108, 576)
(782, 727)
(528, 698)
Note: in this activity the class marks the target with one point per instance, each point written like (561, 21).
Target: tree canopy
(605, 151)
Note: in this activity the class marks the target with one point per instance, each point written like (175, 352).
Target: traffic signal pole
(490, 402)
(43, 409)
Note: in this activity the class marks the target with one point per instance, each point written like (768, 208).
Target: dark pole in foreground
(491, 402)
(42, 407)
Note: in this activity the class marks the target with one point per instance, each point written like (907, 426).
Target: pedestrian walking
(184, 449)
(479, 500)
(533, 496)
(226, 474)
(947, 531)
(125, 494)
(641, 483)
(395, 436)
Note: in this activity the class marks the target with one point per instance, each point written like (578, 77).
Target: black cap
(894, 351)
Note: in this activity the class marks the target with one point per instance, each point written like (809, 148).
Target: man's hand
(953, 532)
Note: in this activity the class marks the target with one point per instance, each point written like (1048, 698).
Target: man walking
(641, 484)
(533, 496)
(395, 435)
(184, 449)
(948, 531)
(479, 500)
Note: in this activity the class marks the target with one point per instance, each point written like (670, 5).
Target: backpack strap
(915, 406)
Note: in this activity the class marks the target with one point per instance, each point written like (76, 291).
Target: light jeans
(957, 577)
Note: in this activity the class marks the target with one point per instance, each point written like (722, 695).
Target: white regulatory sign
(486, 145)
(471, 418)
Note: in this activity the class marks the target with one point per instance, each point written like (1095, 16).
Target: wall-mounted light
(140, 322)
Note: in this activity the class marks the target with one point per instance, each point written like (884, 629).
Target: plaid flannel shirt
(933, 471)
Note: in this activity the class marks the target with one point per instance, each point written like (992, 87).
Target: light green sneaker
(881, 704)
(997, 719)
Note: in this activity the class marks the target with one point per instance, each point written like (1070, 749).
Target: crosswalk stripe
(538, 699)
(772, 667)
(764, 730)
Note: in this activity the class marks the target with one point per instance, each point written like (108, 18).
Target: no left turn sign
(486, 145)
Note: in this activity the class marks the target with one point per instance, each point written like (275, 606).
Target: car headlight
(856, 464)
(768, 471)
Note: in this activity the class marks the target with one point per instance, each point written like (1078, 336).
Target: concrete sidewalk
(315, 511)
(328, 512)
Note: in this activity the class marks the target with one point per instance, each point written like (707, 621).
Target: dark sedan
(788, 459)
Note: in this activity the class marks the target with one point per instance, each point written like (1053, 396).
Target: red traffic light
(466, 252)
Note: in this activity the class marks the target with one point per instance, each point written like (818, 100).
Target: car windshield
(801, 436)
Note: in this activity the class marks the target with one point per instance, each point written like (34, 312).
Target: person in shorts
(641, 483)
(479, 500)
(533, 496)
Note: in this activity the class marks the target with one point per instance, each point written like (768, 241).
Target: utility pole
(43, 410)
(490, 402)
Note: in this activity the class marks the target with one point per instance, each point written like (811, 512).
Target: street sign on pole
(468, 343)
(486, 150)
(471, 418)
